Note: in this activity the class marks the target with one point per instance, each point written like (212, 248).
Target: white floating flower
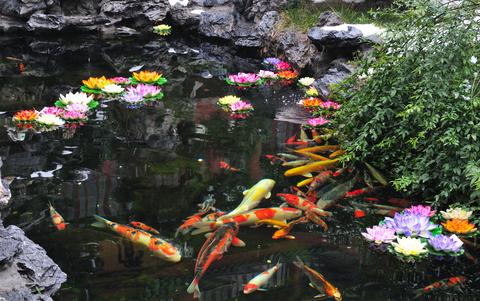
(456, 213)
(50, 120)
(306, 81)
(79, 97)
(409, 246)
(113, 89)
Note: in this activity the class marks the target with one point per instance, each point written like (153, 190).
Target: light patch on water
(197, 11)
(171, 50)
(181, 2)
(46, 174)
(66, 152)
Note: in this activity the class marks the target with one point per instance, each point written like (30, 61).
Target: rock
(329, 18)
(337, 72)
(187, 17)
(141, 12)
(22, 8)
(295, 46)
(43, 22)
(11, 25)
(268, 23)
(217, 23)
(341, 36)
(254, 10)
(125, 32)
(26, 272)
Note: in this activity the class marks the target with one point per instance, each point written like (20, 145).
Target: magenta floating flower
(244, 78)
(240, 106)
(52, 110)
(283, 66)
(330, 105)
(77, 107)
(379, 234)
(421, 210)
(74, 116)
(317, 121)
(146, 91)
(120, 80)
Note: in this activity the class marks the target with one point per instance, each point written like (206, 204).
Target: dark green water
(155, 164)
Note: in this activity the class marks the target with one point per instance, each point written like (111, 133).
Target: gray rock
(184, 16)
(335, 36)
(218, 23)
(329, 18)
(143, 12)
(211, 3)
(247, 35)
(11, 25)
(26, 272)
(22, 8)
(295, 46)
(125, 32)
(43, 22)
(254, 10)
(267, 24)
(338, 71)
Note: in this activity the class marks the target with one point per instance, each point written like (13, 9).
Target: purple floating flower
(132, 97)
(144, 90)
(446, 243)
(421, 210)
(379, 234)
(52, 110)
(410, 224)
(272, 60)
(77, 107)
(240, 106)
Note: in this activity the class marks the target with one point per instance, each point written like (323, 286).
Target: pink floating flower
(74, 115)
(52, 110)
(283, 66)
(120, 80)
(78, 107)
(145, 90)
(317, 121)
(379, 234)
(244, 78)
(330, 105)
(421, 210)
(267, 74)
(240, 106)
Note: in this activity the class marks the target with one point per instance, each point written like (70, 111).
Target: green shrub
(412, 107)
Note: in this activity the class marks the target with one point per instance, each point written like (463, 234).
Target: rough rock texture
(337, 71)
(329, 18)
(26, 272)
(218, 23)
(295, 46)
(335, 36)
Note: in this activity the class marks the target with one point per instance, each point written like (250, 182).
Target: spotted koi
(144, 227)
(260, 280)
(57, 219)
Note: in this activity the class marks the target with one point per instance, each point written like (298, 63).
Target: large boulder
(141, 12)
(42, 22)
(217, 23)
(23, 8)
(295, 46)
(340, 36)
(254, 10)
(338, 70)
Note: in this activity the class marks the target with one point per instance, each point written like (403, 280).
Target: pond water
(155, 164)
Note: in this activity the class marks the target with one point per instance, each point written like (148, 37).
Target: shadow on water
(154, 164)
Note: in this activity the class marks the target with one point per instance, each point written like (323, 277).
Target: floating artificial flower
(240, 107)
(317, 121)
(311, 102)
(77, 107)
(120, 80)
(243, 79)
(272, 60)
(446, 243)
(26, 116)
(78, 98)
(146, 91)
(148, 77)
(132, 97)
(410, 224)
(267, 74)
(162, 29)
(113, 89)
(421, 210)
(312, 91)
(330, 105)
(306, 81)
(287, 74)
(74, 116)
(459, 226)
(50, 120)
(456, 213)
(380, 234)
(96, 83)
(409, 246)
(283, 66)
(52, 110)
(228, 100)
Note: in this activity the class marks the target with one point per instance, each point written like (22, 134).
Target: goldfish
(260, 280)
(57, 219)
(319, 282)
(144, 227)
(249, 218)
(285, 231)
(319, 148)
(156, 245)
(212, 250)
(226, 166)
(441, 284)
(252, 197)
(302, 204)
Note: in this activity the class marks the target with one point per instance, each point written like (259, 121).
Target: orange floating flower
(287, 74)
(96, 83)
(26, 116)
(459, 226)
(311, 102)
(147, 77)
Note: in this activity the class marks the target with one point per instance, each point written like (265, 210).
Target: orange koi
(441, 284)
(156, 245)
(285, 231)
(57, 219)
(355, 193)
(226, 166)
(188, 223)
(144, 227)
(302, 204)
(212, 250)
(319, 282)
(358, 213)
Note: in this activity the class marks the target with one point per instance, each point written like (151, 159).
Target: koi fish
(226, 166)
(357, 192)
(57, 219)
(212, 250)
(274, 159)
(144, 227)
(236, 242)
(318, 148)
(372, 200)
(188, 223)
(304, 182)
(399, 202)
(296, 163)
(293, 141)
(285, 231)
(156, 245)
(252, 197)
(260, 280)
(250, 218)
(339, 172)
(358, 213)
(319, 282)
(288, 156)
(319, 180)
(336, 154)
(302, 204)
(272, 222)
(304, 170)
(441, 284)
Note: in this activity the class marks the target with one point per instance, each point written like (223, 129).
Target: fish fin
(98, 225)
(307, 175)
(269, 194)
(237, 242)
(299, 263)
(246, 191)
(289, 237)
(262, 289)
(321, 212)
(311, 285)
(320, 296)
(193, 288)
(283, 205)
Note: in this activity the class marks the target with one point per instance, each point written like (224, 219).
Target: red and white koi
(57, 219)
(211, 251)
(257, 282)
(144, 227)
(302, 204)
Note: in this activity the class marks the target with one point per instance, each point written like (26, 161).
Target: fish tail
(321, 212)
(100, 222)
(194, 288)
(298, 263)
(202, 227)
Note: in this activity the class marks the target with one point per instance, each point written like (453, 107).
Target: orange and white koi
(319, 282)
(285, 231)
(250, 218)
(236, 242)
(272, 222)
(319, 180)
(211, 251)
(144, 227)
(57, 219)
(302, 204)
(156, 245)
(441, 284)
(260, 280)
(226, 166)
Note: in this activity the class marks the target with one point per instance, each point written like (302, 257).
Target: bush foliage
(412, 107)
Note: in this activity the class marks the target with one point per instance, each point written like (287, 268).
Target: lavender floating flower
(379, 234)
(410, 224)
(145, 91)
(132, 97)
(271, 60)
(446, 243)
(77, 107)
(421, 210)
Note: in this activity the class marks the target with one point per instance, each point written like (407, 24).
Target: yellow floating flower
(96, 83)
(312, 91)
(147, 77)
(162, 29)
(459, 226)
(409, 246)
(228, 100)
